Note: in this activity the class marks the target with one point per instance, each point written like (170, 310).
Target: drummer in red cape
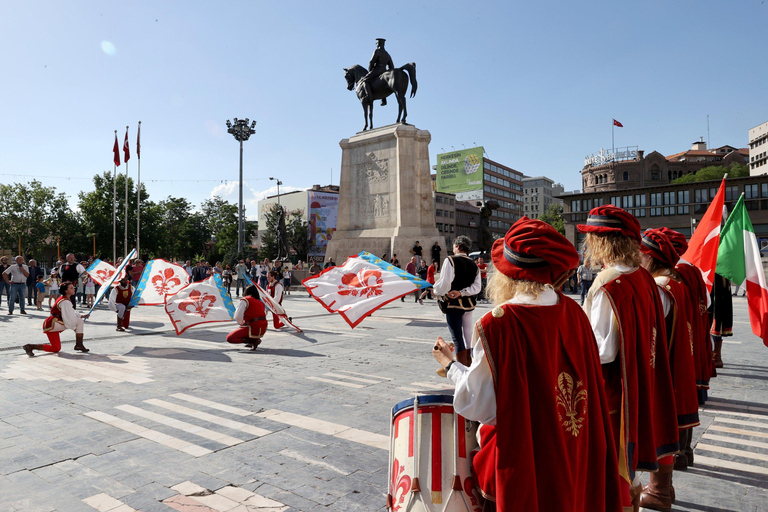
(659, 258)
(63, 316)
(535, 384)
(119, 298)
(625, 310)
(252, 316)
(275, 289)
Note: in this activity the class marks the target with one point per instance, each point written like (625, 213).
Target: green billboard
(460, 171)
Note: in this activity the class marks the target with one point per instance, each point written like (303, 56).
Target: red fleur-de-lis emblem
(402, 485)
(165, 282)
(199, 302)
(105, 274)
(366, 283)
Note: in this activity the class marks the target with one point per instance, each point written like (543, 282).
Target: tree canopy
(715, 172)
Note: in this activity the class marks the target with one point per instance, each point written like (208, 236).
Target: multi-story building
(505, 185)
(677, 206)
(630, 168)
(758, 150)
(445, 215)
(467, 221)
(539, 192)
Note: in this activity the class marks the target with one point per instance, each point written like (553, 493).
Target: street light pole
(241, 131)
(278, 190)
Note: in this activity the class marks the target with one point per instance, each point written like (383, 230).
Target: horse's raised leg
(365, 114)
(370, 113)
(401, 106)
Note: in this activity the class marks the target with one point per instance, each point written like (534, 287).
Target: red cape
(697, 303)
(553, 449)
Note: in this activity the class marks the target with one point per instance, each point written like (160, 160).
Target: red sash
(55, 316)
(553, 449)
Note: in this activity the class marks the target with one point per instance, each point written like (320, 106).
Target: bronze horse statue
(393, 81)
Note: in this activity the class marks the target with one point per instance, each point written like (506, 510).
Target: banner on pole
(106, 286)
(200, 303)
(160, 278)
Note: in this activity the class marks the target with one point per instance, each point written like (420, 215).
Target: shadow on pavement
(90, 357)
(718, 401)
(282, 352)
(742, 375)
(746, 367)
(147, 325)
(180, 354)
(731, 475)
(703, 508)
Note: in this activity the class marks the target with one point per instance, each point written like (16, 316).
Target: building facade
(505, 185)
(630, 168)
(539, 192)
(758, 150)
(678, 206)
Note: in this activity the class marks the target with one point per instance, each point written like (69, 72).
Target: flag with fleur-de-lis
(200, 303)
(160, 278)
(101, 271)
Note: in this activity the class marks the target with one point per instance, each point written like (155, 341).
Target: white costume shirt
(475, 396)
(443, 285)
(604, 321)
(666, 301)
(278, 292)
(113, 297)
(240, 312)
(69, 315)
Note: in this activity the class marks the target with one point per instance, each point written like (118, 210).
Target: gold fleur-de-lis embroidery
(690, 336)
(568, 397)
(653, 348)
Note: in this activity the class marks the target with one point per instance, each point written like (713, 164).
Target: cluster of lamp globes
(240, 130)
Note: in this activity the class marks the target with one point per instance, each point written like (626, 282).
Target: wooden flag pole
(126, 195)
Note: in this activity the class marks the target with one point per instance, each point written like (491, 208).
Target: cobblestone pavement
(152, 421)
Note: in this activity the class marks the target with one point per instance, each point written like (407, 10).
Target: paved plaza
(151, 421)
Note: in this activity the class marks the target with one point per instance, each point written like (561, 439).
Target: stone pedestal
(385, 195)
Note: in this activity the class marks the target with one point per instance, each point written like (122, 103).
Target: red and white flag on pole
(159, 278)
(101, 271)
(126, 150)
(702, 248)
(616, 123)
(200, 303)
(116, 152)
(275, 307)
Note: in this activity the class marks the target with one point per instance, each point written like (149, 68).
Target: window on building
(655, 204)
(451, 228)
(615, 200)
(438, 199)
(576, 205)
(450, 214)
(439, 226)
(438, 213)
(626, 176)
(627, 202)
(683, 198)
(669, 199)
(750, 196)
(450, 201)
(731, 193)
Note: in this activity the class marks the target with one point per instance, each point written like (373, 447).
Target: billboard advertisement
(323, 212)
(461, 172)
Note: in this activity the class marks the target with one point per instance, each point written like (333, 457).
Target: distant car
(478, 254)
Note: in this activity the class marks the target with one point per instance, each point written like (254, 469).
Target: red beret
(611, 219)
(533, 250)
(678, 239)
(656, 245)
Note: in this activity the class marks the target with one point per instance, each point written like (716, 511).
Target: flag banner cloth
(126, 149)
(616, 123)
(160, 278)
(116, 152)
(101, 271)
(738, 259)
(702, 248)
(200, 303)
(360, 286)
(272, 305)
(106, 286)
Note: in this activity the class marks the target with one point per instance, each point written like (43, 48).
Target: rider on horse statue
(380, 62)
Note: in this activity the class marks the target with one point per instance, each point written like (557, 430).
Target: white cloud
(229, 191)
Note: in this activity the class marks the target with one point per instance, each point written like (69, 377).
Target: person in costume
(275, 289)
(459, 285)
(63, 316)
(720, 317)
(252, 316)
(626, 314)
(535, 384)
(119, 300)
(659, 258)
(699, 303)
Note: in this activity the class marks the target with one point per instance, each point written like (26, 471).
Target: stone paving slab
(53, 456)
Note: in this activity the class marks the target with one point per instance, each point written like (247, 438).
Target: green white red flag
(738, 259)
(702, 248)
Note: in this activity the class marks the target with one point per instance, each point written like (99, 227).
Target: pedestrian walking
(585, 277)
(431, 280)
(16, 276)
(287, 281)
(416, 250)
(241, 269)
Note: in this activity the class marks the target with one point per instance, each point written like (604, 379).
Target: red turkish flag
(126, 150)
(616, 123)
(705, 241)
(116, 152)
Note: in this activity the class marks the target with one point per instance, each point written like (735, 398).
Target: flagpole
(114, 208)
(138, 195)
(613, 144)
(126, 197)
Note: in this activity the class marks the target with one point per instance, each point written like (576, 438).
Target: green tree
(298, 233)
(715, 172)
(221, 217)
(268, 247)
(186, 233)
(35, 215)
(553, 216)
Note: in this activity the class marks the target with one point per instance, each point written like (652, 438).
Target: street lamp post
(241, 131)
(94, 243)
(278, 189)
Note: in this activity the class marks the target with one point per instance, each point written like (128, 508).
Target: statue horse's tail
(410, 68)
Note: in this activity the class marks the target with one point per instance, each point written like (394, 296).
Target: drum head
(423, 400)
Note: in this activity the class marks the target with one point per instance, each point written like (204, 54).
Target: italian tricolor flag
(738, 259)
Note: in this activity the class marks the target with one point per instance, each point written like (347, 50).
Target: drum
(430, 458)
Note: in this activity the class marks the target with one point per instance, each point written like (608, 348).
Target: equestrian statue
(380, 80)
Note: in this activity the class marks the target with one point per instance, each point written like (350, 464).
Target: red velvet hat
(533, 250)
(656, 245)
(611, 219)
(677, 239)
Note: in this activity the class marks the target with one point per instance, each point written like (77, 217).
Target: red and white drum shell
(441, 443)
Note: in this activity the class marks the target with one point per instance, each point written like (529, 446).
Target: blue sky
(535, 83)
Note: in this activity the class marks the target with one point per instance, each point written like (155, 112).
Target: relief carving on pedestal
(376, 170)
(374, 206)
